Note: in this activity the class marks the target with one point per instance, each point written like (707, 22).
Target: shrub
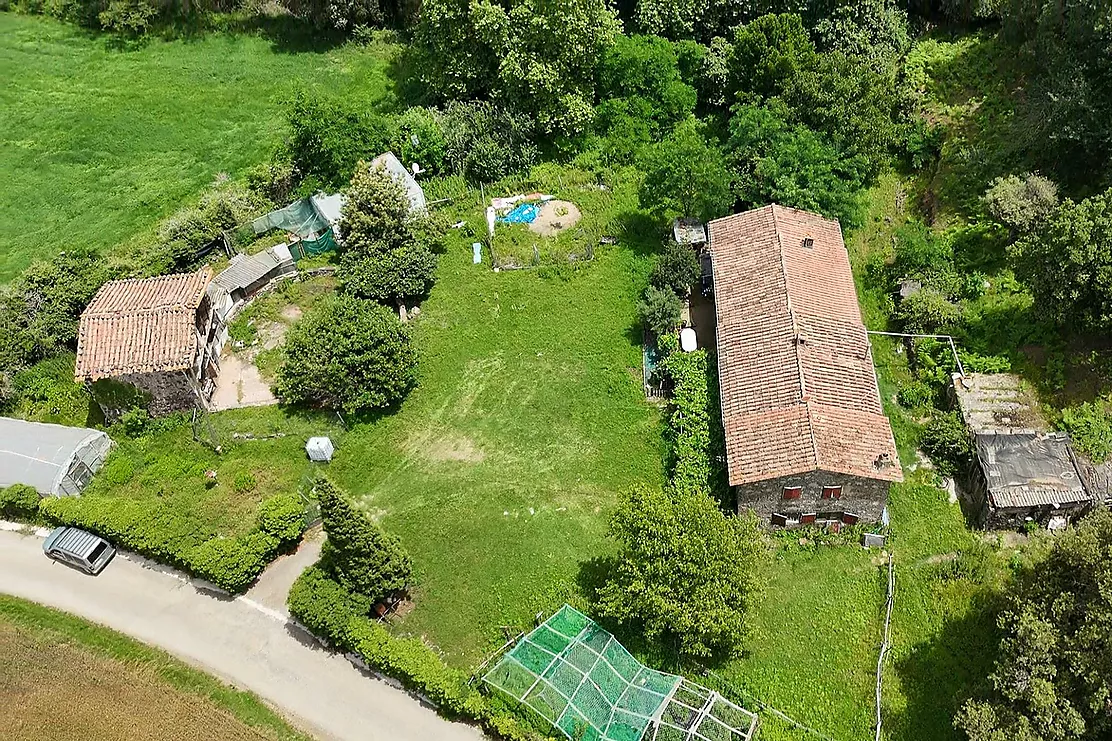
(915, 394)
(689, 421)
(232, 563)
(134, 422)
(946, 441)
(358, 553)
(485, 142)
(19, 501)
(972, 564)
(170, 537)
(677, 268)
(1090, 427)
(1021, 203)
(282, 516)
(929, 312)
(348, 354)
(328, 137)
(660, 310)
(244, 482)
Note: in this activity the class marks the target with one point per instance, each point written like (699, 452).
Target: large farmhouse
(806, 436)
(151, 340)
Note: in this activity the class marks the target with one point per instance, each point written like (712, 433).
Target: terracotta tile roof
(141, 326)
(799, 390)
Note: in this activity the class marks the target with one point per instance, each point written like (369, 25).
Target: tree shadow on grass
(938, 675)
(639, 232)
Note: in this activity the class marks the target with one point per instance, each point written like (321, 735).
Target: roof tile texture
(799, 391)
(141, 325)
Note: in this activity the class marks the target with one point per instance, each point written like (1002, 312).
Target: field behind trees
(100, 141)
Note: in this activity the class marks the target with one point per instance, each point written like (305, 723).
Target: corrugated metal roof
(38, 454)
(251, 269)
(1029, 469)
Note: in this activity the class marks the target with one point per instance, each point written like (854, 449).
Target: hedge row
(19, 502)
(340, 618)
(154, 530)
(689, 421)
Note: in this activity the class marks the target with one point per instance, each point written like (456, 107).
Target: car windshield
(95, 553)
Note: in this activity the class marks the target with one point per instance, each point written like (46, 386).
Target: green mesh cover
(576, 675)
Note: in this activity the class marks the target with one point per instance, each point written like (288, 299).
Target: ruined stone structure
(149, 342)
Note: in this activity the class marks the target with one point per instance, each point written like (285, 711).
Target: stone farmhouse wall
(863, 497)
(168, 392)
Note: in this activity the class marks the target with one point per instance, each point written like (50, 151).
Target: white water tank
(319, 449)
(688, 343)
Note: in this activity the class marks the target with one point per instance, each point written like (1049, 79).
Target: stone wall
(863, 497)
(168, 392)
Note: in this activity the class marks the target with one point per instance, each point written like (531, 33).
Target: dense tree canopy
(1053, 674)
(685, 175)
(348, 354)
(534, 56)
(686, 573)
(777, 162)
(1067, 263)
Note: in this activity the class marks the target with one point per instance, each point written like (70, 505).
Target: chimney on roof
(882, 462)
(808, 243)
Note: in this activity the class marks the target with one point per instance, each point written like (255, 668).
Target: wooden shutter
(793, 492)
(808, 518)
(831, 492)
(850, 518)
(779, 520)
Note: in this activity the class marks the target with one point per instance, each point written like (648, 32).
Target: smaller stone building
(807, 441)
(149, 342)
(1022, 472)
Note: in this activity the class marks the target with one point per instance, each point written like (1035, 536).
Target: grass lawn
(111, 687)
(97, 142)
(498, 472)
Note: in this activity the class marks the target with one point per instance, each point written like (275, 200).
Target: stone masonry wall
(865, 498)
(169, 392)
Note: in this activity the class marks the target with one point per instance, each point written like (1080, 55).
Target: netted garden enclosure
(578, 677)
(309, 218)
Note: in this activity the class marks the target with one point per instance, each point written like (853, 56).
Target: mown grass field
(98, 141)
(63, 678)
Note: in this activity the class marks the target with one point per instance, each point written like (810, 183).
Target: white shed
(53, 459)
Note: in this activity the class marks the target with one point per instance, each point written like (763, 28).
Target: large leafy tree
(535, 56)
(686, 175)
(349, 354)
(775, 161)
(387, 253)
(1053, 676)
(1064, 117)
(358, 553)
(1067, 263)
(686, 573)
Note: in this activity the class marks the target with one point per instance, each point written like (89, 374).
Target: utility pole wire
(886, 644)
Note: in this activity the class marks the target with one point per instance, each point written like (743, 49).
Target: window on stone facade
(808, 518)
(779, 520)
(850, 518)
(793, 492)
(831, 492)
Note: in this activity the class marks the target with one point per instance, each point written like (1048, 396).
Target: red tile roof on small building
(142, 325)
(799, 391)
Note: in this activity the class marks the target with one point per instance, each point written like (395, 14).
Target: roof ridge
(800, 374)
